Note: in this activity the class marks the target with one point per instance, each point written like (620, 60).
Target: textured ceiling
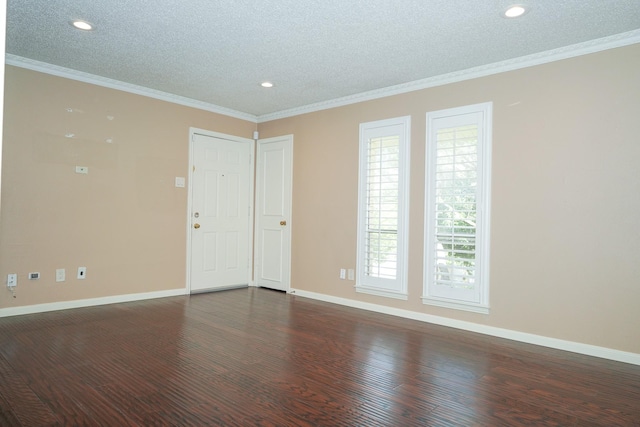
(313, 50)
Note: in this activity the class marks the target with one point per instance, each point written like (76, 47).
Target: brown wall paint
(565, 242)
(565, 239)
(125, 221)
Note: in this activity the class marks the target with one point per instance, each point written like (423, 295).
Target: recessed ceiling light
(82, 25)
(515, 11)
(266, 84)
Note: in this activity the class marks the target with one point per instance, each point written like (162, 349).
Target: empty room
(296, 213)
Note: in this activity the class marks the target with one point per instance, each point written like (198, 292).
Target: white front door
(220, 214)
(273, 213)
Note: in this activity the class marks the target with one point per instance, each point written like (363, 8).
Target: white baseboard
(575, 347)
(65, 305)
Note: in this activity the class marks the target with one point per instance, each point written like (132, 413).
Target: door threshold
(220, 288)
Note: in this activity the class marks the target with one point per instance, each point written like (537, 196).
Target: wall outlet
(12, 280)
(82, 169)
(343, 274)
(82, 272)
(351, 274)
(60, 275)
(34, 276)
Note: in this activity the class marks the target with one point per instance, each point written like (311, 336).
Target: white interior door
(220, 214)
(273, 213)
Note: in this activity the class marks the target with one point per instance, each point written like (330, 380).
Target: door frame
(231, 138)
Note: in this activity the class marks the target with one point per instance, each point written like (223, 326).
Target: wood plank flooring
(254, 357)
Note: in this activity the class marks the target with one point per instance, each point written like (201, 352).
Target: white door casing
(220, 212)
(272, 259)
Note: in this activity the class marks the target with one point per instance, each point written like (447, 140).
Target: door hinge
(194, 168)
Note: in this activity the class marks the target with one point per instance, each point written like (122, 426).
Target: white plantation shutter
(457, 207)
(382, 206)
(381, 220)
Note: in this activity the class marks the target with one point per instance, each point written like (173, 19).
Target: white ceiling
(218, 51)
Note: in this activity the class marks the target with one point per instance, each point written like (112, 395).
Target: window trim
(483, 205)
(394, 288)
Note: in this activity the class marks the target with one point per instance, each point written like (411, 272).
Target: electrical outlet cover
(12, 280)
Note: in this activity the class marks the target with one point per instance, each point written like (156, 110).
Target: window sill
(381, 292)
(475, 308)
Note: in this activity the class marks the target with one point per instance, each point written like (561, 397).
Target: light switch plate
(180, 182)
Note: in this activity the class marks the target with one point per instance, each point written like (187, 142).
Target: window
(458, 182)
(383, 207)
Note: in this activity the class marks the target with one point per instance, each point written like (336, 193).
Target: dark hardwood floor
(254, 357)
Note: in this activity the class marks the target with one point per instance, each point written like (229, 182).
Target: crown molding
(566, 52)
(585, 48)
(55, 70)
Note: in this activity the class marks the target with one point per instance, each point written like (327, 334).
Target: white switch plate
(60, 275)
(82, 169)
(82, 272)
(343, 273)
(180, 181)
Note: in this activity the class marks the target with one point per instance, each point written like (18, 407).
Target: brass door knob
(283, 222)
(196, 225)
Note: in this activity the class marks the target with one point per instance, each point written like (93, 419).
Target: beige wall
(565, 242)
(565, 235)
(125, 221)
